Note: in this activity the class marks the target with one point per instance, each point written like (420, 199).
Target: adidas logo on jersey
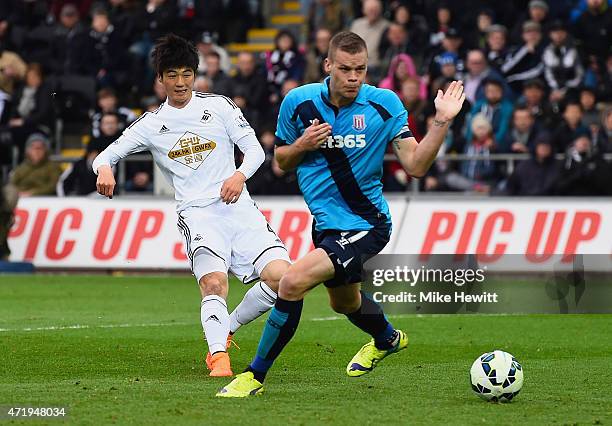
(214, 318)
(164, 129)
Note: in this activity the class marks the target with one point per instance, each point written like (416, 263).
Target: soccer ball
(496, 376)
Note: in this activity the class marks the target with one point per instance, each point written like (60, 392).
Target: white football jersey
(193, 146)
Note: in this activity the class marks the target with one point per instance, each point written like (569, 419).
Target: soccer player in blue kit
(335, 133)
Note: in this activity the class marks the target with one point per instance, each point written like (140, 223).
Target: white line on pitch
(84, 326)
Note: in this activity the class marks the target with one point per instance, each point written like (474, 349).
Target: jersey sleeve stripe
(137, 120)
(384, 114)
(212, 95)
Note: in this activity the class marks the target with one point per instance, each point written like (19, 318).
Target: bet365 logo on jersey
(346, 141)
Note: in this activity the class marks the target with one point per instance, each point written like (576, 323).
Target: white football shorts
(234, 237)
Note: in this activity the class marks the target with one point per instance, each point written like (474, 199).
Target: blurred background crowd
(537, 76)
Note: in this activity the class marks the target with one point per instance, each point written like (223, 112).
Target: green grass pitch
(137, 357)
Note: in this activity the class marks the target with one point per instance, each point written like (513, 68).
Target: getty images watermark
(412, 277)
(503, 284)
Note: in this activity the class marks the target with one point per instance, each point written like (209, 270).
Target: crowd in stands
(537, 76)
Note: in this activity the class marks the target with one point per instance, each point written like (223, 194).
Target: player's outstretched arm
(290, 156)
(416, 158)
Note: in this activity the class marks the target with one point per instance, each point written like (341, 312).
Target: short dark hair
(348, 42)
(172, 51)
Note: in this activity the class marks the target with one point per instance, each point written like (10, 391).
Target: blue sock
(371, 319)
(280, 328)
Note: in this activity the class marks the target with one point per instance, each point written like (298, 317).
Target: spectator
(31, 108)
(537, 176)
(477, 175)
(79, 179)
(495, 108)
(122, 20)
(206, 44)
(151, 103)
(12, 71)
(315, 58)
(588, 101)
(251, 85)
(330, 14)
(69, 43)
(8, 202)
(151, 21)
(210, 18)
(219, 81)
(270, 179)
(571, 127)
(534, 98)
(594, 29)
(37, 175)
(270, 119)
(443, 24)
(395, 41)
(401, 68)
(478, 71)
(110, 129)
(496, 50)
(607, 123)
(410, 94)
(521, 137)
(562, 66)
(239, 16)
(108, 103)
(450, 44)
(601, 133)
(584, 171)
(477, 38)
(139, 176)
(104, 52)
(448, 69)
(524, 62)
(285, 61)
(371, 28)
(57, 6)
(202, 84)
(537, 12)
(415, 25)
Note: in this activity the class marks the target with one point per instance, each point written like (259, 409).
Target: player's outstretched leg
(386, 340)
(258, 300)
(282, 323)
(215, 321)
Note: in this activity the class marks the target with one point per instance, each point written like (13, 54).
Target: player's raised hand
(105, 184)
(315, 135)
(448, 104)
(232, 188)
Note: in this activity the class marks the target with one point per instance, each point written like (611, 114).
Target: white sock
(215, 321)
(257, 301)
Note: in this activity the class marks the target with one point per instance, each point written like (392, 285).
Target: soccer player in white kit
(191, 137)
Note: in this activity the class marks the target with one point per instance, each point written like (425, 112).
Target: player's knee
(272, 275)
(213, 284)
(292, 285)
